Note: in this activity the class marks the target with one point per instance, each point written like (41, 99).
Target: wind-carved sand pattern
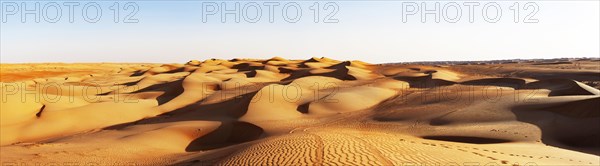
(318, 111)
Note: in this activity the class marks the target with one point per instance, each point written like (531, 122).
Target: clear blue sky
(174, 31)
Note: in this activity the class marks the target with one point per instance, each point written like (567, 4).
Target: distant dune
(317, 111)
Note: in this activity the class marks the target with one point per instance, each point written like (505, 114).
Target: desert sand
(317, 111)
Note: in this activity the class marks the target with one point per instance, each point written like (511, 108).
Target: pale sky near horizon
(174, 32)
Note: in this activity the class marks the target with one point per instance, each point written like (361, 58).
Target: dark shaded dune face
(341, 65)
(303, 108)
(467, 139)
(414, 69)
(303, 63)
(171, 93)
(587, 141)
(561, 87)
(588, 108)
(576, 109)
(227, 134)
(503, 82)
(424, 81)
(40, 112)
(177, 70)
(426, 109)
(429, 71)
(193, 63)
(440, 122)
(435, 108)
(571, 124)
(170, 89)
(340, 73)
(250, 74)
(244, 132)
(229, 109)
(553, 63)
(131, 83)
(247, 67)
(557, 87)
(408, 113)
(138, 73)
(285, 70)
(538, 72)
(311, 60)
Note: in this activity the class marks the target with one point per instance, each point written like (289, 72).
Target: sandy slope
(318, 111)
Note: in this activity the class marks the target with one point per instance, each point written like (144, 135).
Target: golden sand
(318, 111)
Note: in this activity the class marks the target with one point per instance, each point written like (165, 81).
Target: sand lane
(318, 111)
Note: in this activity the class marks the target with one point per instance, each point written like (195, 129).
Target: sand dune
(317, 111)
